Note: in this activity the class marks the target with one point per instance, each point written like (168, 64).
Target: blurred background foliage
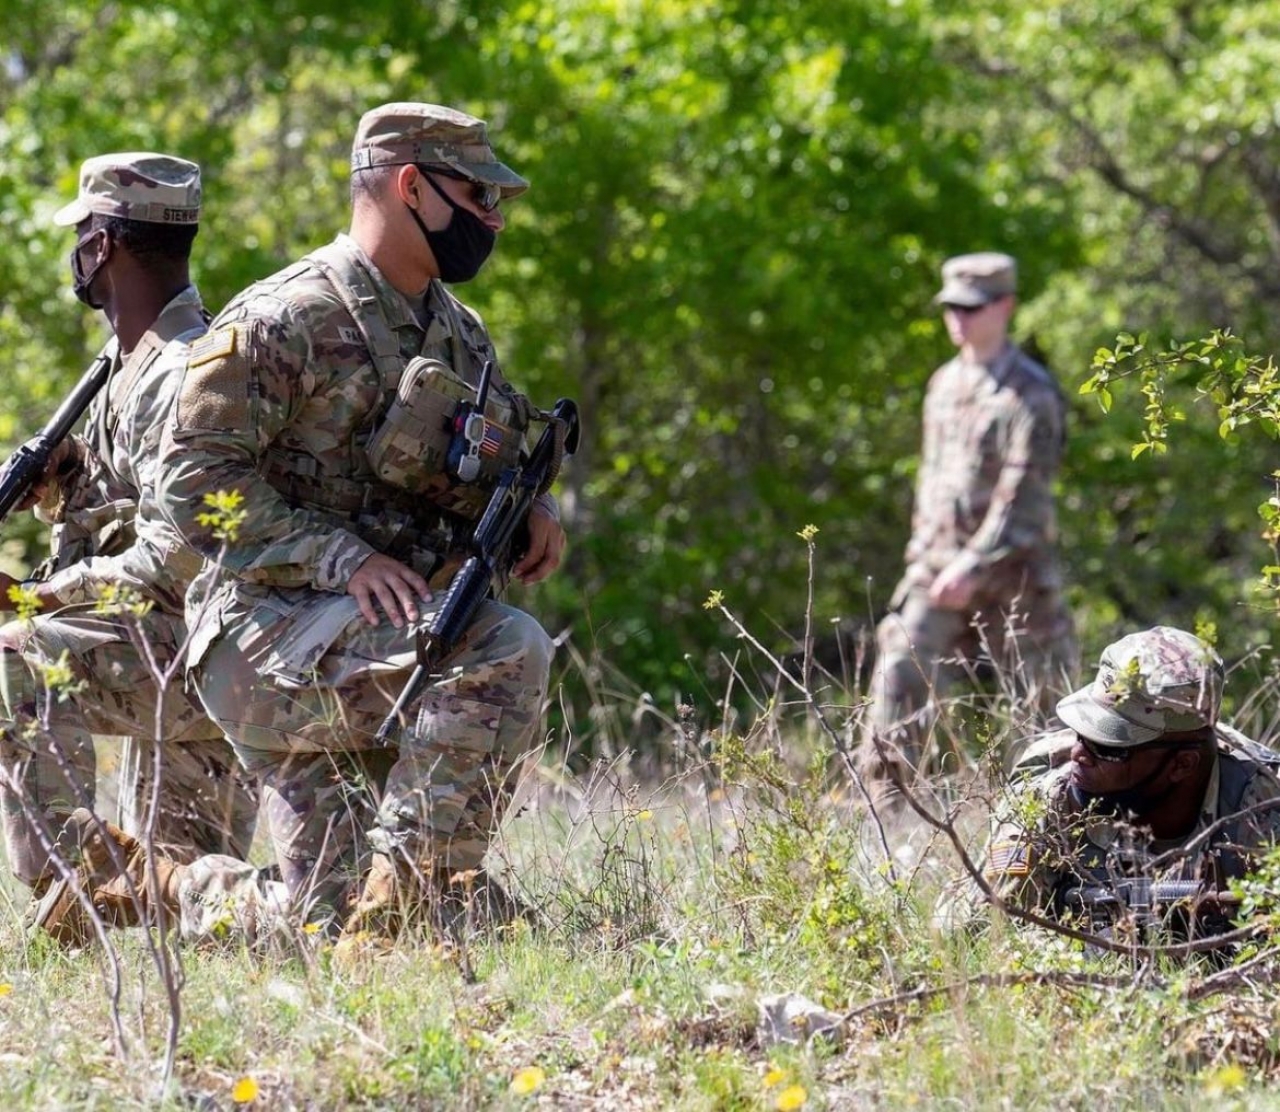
(738, 213)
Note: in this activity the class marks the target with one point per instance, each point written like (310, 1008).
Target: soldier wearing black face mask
(135, 219)
(1143, 784)
(309, 624)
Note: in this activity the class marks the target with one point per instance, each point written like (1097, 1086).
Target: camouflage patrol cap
(973, 280)
(1160, 681)
(138, 185)
(407, 132)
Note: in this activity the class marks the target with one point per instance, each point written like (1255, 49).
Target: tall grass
(672, 898)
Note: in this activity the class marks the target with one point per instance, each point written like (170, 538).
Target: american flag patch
(492, 442)
(1010, 858)
(212, 345)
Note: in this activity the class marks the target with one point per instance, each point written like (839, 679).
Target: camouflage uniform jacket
(278, 403)
(106, 530)
(1043, 842)
(993, 438)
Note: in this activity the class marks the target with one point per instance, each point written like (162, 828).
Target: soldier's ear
(1185, 763)
(406, 185)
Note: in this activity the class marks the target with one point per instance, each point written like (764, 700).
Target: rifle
(489, 547)
(1182, 908)
(27, 465)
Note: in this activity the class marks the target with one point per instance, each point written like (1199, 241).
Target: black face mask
(80, 281)
(461, 246)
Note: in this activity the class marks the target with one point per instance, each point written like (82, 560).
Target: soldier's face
(1142, 767)
(466, 196)
(979, 326)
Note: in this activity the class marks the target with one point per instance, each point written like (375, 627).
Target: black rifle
(490, 548)
(27, 465)
(1178, 908)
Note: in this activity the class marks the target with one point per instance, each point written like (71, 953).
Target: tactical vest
(429, 534)
(106, 529)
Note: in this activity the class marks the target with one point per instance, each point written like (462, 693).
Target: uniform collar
(395, 306)
(182, 312)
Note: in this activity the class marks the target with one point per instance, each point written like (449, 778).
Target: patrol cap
(973, 280)
(138, 185)
(408, 132)
(1148, 684)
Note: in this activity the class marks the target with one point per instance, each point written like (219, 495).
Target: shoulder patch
(213, 345)
(1010, 858)
(350, 335)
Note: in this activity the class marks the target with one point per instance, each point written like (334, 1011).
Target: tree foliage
(728, 256)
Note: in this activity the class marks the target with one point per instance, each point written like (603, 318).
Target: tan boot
(113, 866)
(379, 910)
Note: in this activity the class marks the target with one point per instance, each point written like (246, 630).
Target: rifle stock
(27, 465)
(490, 548)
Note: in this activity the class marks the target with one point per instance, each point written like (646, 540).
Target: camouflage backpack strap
(357, 293)
(525, 415)
(183, 319)
(1235, 776)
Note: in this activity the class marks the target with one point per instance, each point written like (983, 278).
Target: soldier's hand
(546, 548)
(40, 487)
(954, 588)
(396, 587)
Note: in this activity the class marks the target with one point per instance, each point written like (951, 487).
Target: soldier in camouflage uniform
(135, 217)
(982, 585)
(304, 622)
(1142, 770)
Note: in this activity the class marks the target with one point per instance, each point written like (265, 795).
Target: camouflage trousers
(302, 694)
(67, 676)
(922, 651)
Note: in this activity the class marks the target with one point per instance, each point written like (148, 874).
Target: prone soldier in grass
(1144, 790)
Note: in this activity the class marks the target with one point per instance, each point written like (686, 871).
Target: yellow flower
(808, 533)
(1225, 1079)
(311, 928)
(244, 1090)
(793, 1096)
(775, 1076)
(5, 989)
(25, 602)
(225, 515)
(527, 1080)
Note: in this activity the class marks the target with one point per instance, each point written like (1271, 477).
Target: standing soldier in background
(982, 581)
(304, 624)
(135, 219)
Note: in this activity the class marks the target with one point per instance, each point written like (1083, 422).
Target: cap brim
(70, 215)
(965, 296)
(1081, 713)
(496, 173)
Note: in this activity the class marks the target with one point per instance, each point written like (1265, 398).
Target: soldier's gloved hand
(394, 586)
(546, 547)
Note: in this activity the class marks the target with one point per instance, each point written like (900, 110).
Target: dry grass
(669, 910)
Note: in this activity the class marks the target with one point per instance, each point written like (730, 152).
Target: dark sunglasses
(1122, 754)
(486, 195)
(966, 310)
